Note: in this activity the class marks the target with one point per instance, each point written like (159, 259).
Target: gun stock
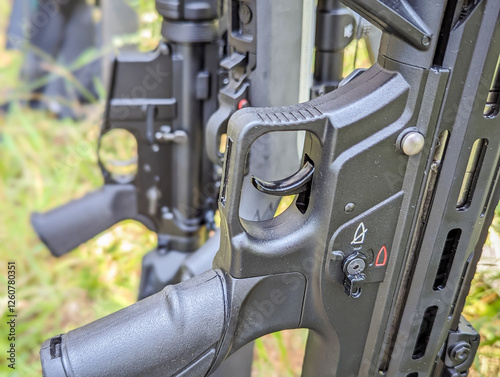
(100, 349)
(177, 332)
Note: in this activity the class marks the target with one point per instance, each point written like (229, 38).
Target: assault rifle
(393, 199)
(165, 99)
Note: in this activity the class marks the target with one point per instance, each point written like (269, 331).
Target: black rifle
(160, 76)
(397, 188)
(165, 98)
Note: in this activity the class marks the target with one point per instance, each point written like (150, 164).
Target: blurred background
(52, 93)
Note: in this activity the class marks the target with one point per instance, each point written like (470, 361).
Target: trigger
(295, 184)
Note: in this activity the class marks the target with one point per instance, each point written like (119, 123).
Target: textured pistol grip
(172, 333)
(64, 228)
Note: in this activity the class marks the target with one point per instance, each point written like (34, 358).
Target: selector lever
(353, 267)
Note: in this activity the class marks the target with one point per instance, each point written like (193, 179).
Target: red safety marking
(243, 103)
(381, 257)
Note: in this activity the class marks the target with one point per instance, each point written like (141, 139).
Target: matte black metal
(398, 18)
(164, 99)
(446, 262)
(152, 118)
(374, 222)
(336, 27)
(444, 35)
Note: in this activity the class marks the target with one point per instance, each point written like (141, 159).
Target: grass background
(45, 162)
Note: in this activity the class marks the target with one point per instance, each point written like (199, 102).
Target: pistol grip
(64, 228)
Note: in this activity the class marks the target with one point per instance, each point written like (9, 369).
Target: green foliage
(483, 311)
(44, 163)
(149, 32)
